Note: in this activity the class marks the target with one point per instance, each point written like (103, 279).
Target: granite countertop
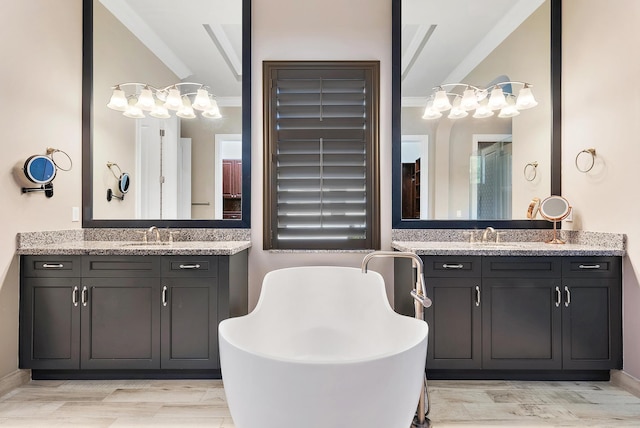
(129, 248)
(523, 242)
(432, 248)
(124, 242)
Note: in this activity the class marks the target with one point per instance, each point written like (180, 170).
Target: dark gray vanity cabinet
(521, 314)
(50, 312)
(591, 313)
(499, 316)
(189, 312)
(454, 282)
(127, 314)
(120, 314)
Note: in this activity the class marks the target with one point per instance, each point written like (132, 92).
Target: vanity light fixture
(159, 102)
(483, 100)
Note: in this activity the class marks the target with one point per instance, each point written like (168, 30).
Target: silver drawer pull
(477, 295)
(164, 296)
(558, 296)
(589, 266)
(85, 296)
(74, 296)
(447, 266)
(567, 300)
(196, 266)
(52, 266)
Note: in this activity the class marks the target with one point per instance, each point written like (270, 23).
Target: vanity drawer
(452, 266)
(51, 266)
(521, 267)
(591, 267)
(190, 267)
(121, 266)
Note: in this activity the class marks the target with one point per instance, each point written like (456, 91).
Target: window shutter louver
(321, 128)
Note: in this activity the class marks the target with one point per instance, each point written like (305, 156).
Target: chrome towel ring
(531, 171)
(589, 163)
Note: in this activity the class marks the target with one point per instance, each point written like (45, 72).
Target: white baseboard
(626, 382)
(14, 380)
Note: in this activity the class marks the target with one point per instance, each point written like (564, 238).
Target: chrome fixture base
(417, 424)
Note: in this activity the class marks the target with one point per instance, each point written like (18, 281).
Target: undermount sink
(146, 244)
(491, 245)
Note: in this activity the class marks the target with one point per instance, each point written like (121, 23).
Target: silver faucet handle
(144, 235)
(472, 236)
(173, 233)
(499, 236)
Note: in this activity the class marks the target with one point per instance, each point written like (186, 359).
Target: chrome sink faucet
(153, 229)
(487, 231)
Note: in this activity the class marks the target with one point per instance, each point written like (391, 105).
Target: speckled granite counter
(515, 243)
(118, 242)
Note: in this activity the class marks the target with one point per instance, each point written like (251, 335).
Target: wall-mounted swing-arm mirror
(137, 56)
(460, 165)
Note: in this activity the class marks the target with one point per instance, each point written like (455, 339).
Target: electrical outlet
(75, 213)
(569, 217)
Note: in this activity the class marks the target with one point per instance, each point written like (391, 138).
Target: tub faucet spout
(421, 301)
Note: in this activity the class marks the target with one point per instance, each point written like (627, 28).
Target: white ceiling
(201, 40)
(444, 40)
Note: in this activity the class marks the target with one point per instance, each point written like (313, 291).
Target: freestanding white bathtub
(323, 349)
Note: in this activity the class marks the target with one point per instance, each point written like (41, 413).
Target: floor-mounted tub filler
(324, 349)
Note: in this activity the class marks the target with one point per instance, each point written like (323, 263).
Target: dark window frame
(372, 156)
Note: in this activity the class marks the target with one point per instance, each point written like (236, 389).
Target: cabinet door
(521, 323)
(591, 325)
(454, 321)
(231, 178)
(189, 323)
(120, 323)
(50, 323)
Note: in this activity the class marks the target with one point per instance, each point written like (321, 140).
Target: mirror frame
(87, 136)
(396, 132)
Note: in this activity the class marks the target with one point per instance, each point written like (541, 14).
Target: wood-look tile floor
(201, 403)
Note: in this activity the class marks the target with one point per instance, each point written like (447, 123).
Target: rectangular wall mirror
(476, 111)
(166, 117)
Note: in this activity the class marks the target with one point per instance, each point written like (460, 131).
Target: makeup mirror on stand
(555, 209)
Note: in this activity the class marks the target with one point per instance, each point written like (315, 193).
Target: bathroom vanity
(520, 310)
(101, 309)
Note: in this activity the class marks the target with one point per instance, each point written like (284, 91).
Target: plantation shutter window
(321, 146)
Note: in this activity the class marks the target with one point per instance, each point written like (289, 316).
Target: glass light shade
(441, 101)
(118, 100)
(202, 101)
(160, 111)
(525, 99)
(213, 112)
(497, 100)
(457, 112)
(483, 111)
(186, 111)
(510, 110)
(430, 112)
(146, 100)
(133, 111)
(174, 100)
(469, 100)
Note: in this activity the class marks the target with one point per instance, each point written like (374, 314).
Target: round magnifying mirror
(555, 209)
(124, 183)
(40, 169)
